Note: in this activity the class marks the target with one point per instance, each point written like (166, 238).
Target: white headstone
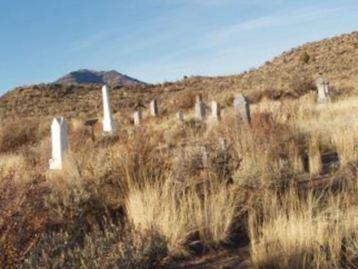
(204, 156)
(223, 143)
(242, 108)
(59, 143)
(137, 117)
(199, 108)
(180, 116)
(322, 90)
(109, 125)
(215, 110)
(154, 108)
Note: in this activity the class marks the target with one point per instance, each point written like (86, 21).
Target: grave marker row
(241, 109)
(59, 138)
(108, 123)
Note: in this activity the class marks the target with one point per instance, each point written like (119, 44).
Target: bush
(301, 84)
(16, 134)
(305, 57)
(185, 100)
(110, 247)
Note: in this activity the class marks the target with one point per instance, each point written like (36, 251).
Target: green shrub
(305, 57)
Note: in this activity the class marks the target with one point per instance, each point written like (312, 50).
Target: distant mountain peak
(87, 76)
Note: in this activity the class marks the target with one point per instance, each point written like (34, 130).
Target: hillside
(288, 75)
(195, 193)
(85, 76)
(292, 73)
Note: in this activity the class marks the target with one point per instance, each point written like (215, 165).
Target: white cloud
(276, 20)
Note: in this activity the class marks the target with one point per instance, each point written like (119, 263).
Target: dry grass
(331, 127)
(294, 232)
(167, 189)
(176, 191)
(184, 216)
(11, 166)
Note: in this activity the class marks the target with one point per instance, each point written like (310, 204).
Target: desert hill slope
(334, 58)
(289, 75)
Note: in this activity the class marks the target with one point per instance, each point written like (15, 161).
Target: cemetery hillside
(255, 170)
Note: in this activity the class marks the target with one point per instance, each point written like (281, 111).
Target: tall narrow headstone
(322, 85)
(222, 143)
(242, 108)
(59, 143)
(200, 109)
(154, 108)
(215, 110)
(109, 125)
(204, 156)
(137, 117)
(180, 116)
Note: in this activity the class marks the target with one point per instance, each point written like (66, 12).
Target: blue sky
(157, 40)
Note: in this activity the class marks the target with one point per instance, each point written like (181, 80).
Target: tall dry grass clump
(303, 232)
(314, 156)
(328, 127)
(267, 152)
(334, 125)
(194, 217)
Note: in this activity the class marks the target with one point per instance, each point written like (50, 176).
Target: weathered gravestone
(154, 108)
(223, 143)
(322, 85)
(109, 126)
(59, 143)
(242, 108)
(200, 108)
(215, 110)
(180, 116)
(204, 156)
(91, 123)
(137, 117)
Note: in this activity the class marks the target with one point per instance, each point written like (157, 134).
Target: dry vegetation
(284, 188)
(146, 199)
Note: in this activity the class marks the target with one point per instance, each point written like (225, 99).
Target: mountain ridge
(87, 76)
